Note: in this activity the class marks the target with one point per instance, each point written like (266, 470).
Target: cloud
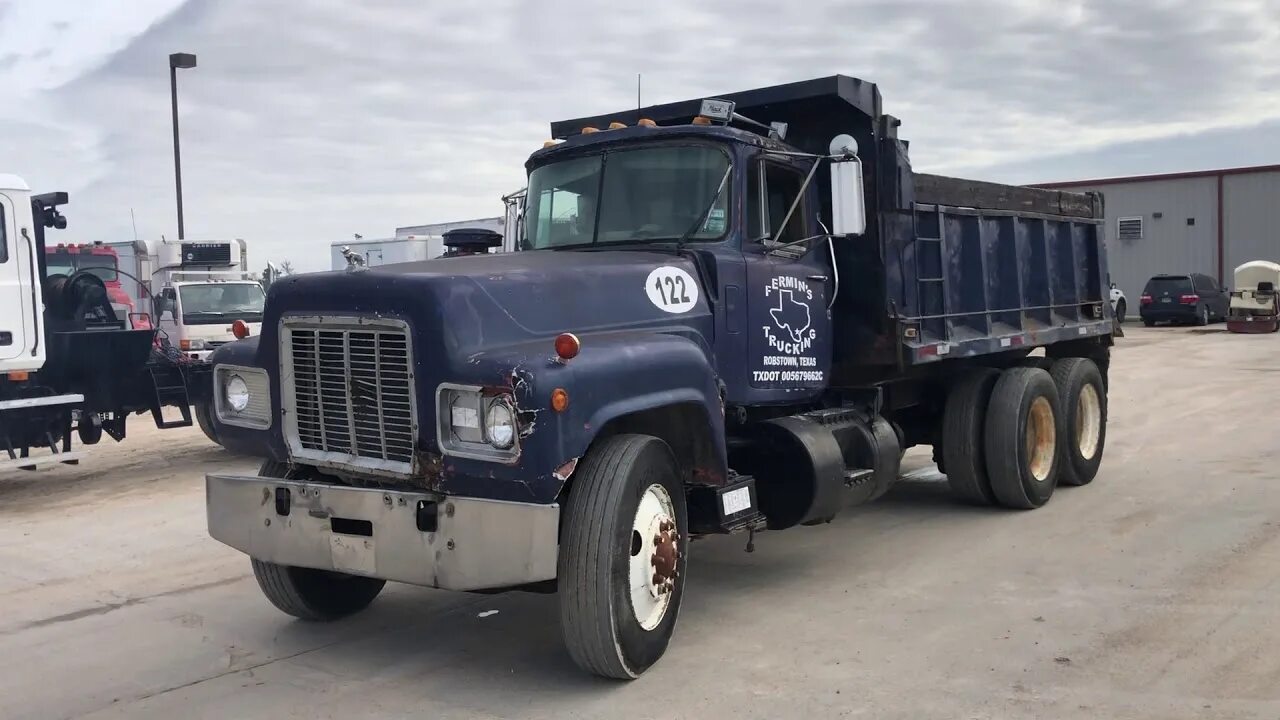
(307, 122)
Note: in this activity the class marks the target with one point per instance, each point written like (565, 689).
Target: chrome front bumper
(452, 543)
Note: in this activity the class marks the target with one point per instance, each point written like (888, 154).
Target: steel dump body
(973, 280)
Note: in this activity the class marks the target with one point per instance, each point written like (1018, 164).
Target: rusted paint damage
(563, 472)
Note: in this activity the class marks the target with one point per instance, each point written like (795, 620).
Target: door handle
(818, 278)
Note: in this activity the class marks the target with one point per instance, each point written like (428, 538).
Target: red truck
(99, 259)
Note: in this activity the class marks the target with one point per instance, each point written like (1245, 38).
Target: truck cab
(99, 259)
(22, 345)
(202, 289)
(726, 315)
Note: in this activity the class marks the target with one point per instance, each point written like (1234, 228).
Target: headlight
(473, 423)
(464, 417)
(197, 344)
(237, 393)
(242, 396)
(500, 424)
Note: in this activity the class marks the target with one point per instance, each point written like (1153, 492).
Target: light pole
(184, 61)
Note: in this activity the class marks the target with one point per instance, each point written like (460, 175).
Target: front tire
(623, 556)
(1120, 310)
(204, 418)
(315, 595)
(1022, 434)
(306, 593)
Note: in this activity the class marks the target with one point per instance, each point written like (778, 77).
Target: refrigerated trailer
(727, 315)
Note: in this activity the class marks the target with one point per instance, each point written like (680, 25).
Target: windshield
(645, 194)
(221, 302)
(65, 263)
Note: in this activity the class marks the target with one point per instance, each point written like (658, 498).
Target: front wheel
(622, 556)
(306, 593)
(204, 418)
(1120, 310)
(316, 595)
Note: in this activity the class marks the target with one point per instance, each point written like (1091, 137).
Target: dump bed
(982, 268)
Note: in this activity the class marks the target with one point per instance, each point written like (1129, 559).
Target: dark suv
(1193, 298)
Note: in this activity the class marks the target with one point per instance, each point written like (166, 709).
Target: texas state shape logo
(791, 315)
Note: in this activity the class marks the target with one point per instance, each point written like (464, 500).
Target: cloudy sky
(308, 121)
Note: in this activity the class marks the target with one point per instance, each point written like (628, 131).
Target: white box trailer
(417, 242)
(387, 251)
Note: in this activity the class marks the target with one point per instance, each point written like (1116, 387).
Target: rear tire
(1120, 310)
(1202, 318)
(615, 621)
(306, 593)
(1148, 323)
(1023, 427)
(315, 595)
(1082, 398)
(963, 421)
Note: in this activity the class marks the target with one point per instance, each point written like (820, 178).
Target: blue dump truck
(725, 315)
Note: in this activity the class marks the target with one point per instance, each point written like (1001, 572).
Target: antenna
(637, 93)
(134, 220)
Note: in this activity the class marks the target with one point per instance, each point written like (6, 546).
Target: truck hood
(462, 306)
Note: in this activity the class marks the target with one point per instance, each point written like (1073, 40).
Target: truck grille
(348, 392)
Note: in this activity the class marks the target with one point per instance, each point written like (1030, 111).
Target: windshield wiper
(702, 217)
(204, 312)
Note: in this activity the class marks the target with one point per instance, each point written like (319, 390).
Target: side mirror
(848, 204)
(1113, 286)
(164, 303)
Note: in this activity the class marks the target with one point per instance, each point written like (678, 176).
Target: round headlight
(500, 425)
(237, 393)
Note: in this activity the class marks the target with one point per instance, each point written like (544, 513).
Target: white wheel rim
(1088, 422)
(652, 581)
(1041, 439)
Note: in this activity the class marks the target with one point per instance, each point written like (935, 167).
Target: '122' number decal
(671, 289)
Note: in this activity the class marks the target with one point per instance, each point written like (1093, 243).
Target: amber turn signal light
(559, 399)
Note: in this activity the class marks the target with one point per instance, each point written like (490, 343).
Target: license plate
(1166, 299)
(735, 501)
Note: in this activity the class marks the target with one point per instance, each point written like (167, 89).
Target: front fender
(247, 441)
(633, 375)
(614, 376)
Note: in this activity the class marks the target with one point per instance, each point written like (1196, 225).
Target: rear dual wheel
(1009, 438)
(1083, 399)
(1021, 438)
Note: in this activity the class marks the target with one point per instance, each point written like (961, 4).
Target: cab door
(20, 346)
(789, 286)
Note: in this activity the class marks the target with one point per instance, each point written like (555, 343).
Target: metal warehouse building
(1207, 221)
